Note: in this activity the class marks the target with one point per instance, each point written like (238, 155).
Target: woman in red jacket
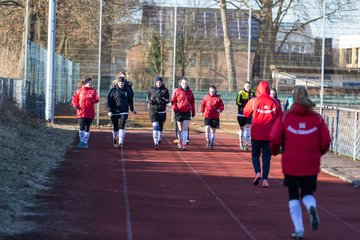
(211, 106)
(183, 102)
(264, 111)
(304, 137)
(83, 100)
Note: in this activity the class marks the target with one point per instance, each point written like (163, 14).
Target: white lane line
(222, 203)
(126, 196)
(319, 206)
(339, 219)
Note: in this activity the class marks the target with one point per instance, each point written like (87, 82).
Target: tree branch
(9, 3)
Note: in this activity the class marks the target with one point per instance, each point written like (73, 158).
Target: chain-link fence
(67, 76)
(12, 89)
(344, 126)
(313, 43)
(292, 45)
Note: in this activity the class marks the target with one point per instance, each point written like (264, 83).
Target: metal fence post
(337, 130)
(355, 135)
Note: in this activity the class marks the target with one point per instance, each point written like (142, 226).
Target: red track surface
(140, 193)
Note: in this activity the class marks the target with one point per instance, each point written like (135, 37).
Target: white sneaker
(298, 235)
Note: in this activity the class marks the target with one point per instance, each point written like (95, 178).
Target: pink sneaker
(265, 183)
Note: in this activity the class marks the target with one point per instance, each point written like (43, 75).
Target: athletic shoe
(85, 145)
(242, 146)
(246, 147)
(257, 179)
(314, 218)
(298, 235)
(208, 145)
(120, 146)
(187, 142)
(159, 142)
(115, 143)
(179, 145)
(212, 145)
(156, 146)
(176, 141)
(183, 148)
(80, 145)
(265, 183)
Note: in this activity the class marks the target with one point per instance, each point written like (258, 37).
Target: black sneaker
(156, 146)
(120, 146)
(314, 218)
(159, 142)
(257, 180)
(115, 143)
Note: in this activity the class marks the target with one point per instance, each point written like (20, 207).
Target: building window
(357, 56)
(348, 56)
(205, 60)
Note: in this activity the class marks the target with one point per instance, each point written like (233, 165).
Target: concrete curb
(342, 168)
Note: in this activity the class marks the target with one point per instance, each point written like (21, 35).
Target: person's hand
(153, 100)
(134, 112)
(110, 114)
(218, 110)
(193, 115)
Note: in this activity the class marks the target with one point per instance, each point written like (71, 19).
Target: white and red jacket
(211, 106)
(183, 100)
(264, 111)
(84, 99)
(304, 136)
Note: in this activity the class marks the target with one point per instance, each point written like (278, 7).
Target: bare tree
(77, 27)
(271, 15)
(229, 55)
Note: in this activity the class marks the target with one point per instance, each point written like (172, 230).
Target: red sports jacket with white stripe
(264, 111)
(304, 136)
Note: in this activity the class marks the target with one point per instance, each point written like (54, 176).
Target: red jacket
(211, 106)
(304, 136)
(84, 99)
(183, 101)
(264, 111)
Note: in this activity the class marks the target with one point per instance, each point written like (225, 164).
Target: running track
(139, 193)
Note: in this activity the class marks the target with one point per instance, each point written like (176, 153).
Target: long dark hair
(301, 97)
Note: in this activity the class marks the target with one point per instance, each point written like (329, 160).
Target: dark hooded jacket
(120, 100)
(157, 98)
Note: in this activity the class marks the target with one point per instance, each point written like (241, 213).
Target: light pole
(174, 58)
(23, 100)
(249, 43)
(49, 94)
(99, 66)
(322, 62)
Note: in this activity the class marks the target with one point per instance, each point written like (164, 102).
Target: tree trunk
(266, 44)
(107, 35)
(229, 55)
